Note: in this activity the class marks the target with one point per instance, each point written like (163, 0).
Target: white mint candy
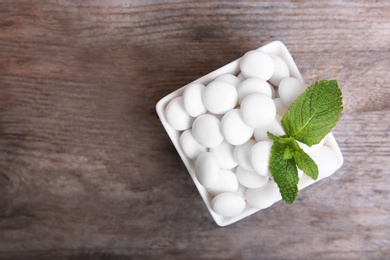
(281, 70)
(192, 98)
(227, 182)
(257, 64)
(219, 97)
(228, 204)
(290, 89)
(250, 179)
(241, 153)
(177, 116)
(207, 169)
(191, 148)
(276, 128)
(235, 131)
(229, 78)
(253, 85)
(326, 160)
(224, 155)
(206, 130)
(258, 110)
(259, 157)
(264, 196)
(281, 108)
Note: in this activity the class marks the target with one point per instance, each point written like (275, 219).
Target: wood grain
(87, 171)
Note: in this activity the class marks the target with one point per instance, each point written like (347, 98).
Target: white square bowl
(277, 48)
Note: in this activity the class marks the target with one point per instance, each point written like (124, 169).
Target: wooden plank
(87, 171)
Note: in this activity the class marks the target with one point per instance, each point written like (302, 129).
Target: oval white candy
(281, 70)
(235, 131)
(259, 157)
(227, 182)
(207, 169)
(229, 78)
(281, 108)
(258, 110)
(264, 196)
(241, 153)
(257, 64)
(191, 148)
(219, 97)
(253, 85)
(177, 116)
(192, 98)
(275, 128)
(228, 204)
(250, 179)
(206, 130)
(224, 155)
(326, 160)
(290, 89)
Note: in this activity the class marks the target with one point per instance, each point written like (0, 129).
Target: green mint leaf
(280, 139)
(288, 153)
(314, 113)
(304, 161)
(284, 172)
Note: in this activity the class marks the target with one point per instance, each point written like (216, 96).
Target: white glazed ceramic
(275, 47)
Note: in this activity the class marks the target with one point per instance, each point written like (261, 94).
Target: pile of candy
(225, 127)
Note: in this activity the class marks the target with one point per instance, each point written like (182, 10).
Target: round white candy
(257, 64)
(219, 97)
(250, 179)
(276, 128)
(192, 98)
(224, 155)
(281, 70)
(191, 148)
(241, 153)
(281, 108)
(206, 130)
(229, 78)
(326, 160)
(177, 116)
(259, 157)
(290, 89)
(264, 196)
(258, 110)
(227, 182)
(253, 85)
(207, 169)
(228, 204)
(235, 131)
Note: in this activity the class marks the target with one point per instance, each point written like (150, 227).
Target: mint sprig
(308, 120)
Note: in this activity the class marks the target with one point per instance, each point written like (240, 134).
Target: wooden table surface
(88, 172)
